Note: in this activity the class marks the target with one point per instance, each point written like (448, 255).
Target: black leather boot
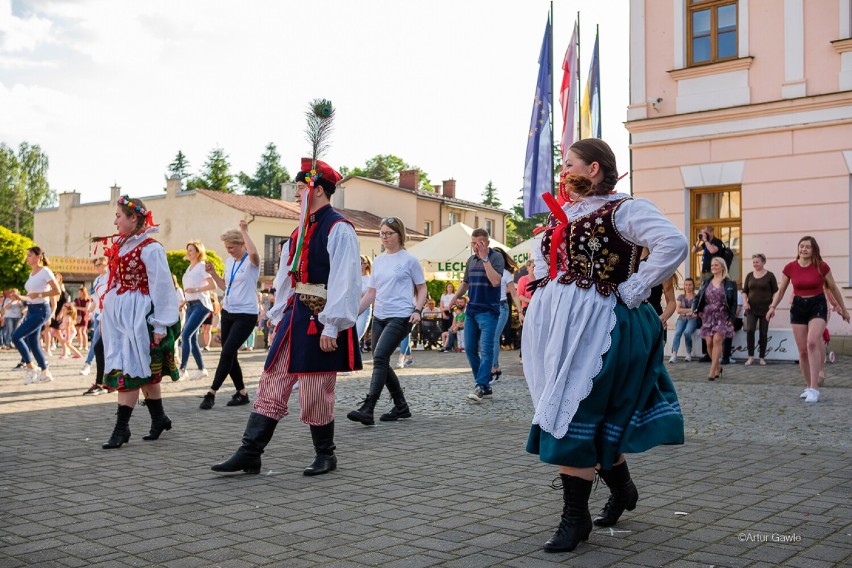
(325, 460)
(400, 406)
(259, 430)
(364, 415)
(159, 420)
(121, 432)
(623, 495)
(576, 522)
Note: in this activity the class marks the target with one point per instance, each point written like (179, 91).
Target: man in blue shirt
(481, 282)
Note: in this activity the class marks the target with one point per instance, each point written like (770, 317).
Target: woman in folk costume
(139, 320)
(315, 311)
(595, 372)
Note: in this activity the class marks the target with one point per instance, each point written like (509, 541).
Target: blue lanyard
(234, 269)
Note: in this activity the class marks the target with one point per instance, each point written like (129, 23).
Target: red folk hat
(323, 172)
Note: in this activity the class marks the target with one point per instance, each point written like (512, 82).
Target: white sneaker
(44, 377)
(688, 359)
(805, 393)
(199, 374)
(673, 359)
(86, 369)
(813, 396)
(30, 376)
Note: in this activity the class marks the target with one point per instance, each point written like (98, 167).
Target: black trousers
(100, 362)
(762, 326)
(234, 329)
(386, 336)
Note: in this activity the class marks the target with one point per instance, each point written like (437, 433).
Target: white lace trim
(590, 204)
(560, 374)
(633, 291)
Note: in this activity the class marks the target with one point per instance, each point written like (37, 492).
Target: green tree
(216, 174)
(519, 229)
(23, 186)
(180, 166)
(14, 270)
(386, 168)
(178, 262)
(269, 176)
(489, 196)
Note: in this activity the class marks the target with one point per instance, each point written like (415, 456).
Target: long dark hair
(596, 150)
(508, 263)
(36, 250)
(815, 254)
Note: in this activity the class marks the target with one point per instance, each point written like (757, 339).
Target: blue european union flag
(538, 170)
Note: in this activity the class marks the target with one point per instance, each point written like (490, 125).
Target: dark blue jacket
(305, 353)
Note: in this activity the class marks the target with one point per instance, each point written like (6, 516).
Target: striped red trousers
(316, 391)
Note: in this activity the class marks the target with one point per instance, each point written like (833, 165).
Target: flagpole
(579, 91)
(552, 161)
(600, 98)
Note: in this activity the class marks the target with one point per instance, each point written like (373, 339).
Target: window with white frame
(427, 228)
(489, 226)
(453, 218)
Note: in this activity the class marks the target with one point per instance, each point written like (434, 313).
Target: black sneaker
(208, 402)
(705, 359)
(20, 365)
(479, 392)
(238, 399)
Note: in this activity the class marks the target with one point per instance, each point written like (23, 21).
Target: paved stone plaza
(763, 479)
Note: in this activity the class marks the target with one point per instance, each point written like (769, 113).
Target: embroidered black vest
(593, 252)
(305, 353)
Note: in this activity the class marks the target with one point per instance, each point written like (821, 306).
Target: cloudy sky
(112, 89)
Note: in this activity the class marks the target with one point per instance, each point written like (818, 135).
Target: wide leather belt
(312, 295)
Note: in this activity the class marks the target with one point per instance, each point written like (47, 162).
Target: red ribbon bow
(559, 229)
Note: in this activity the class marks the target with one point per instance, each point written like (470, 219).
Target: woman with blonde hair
(239, 311)
(364, 317)
(197, 283)
(716, 304)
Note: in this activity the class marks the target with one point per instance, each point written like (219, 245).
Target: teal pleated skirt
(632, 407)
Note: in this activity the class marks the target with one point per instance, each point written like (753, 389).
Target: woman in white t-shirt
(507, 286)
(197, 284)
(446, 305)
(239, 311)
(396, 274)
(41, 286)
(364, 317)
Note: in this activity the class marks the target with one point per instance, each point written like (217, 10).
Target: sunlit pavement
(763, 480)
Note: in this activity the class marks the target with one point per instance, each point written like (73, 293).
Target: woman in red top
(809, 310)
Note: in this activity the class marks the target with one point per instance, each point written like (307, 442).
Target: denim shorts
(803, 310)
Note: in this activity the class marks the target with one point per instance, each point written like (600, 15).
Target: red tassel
(312, 327)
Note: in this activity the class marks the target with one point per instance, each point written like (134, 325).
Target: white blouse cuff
(633, 291)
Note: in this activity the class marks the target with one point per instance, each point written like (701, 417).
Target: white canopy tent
(523, 252)
(444, 255)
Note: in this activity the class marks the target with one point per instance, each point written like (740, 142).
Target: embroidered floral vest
(593, 252)
(131, 273)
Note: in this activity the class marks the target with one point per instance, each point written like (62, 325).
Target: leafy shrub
(14, 270)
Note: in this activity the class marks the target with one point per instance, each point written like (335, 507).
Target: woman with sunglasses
(395, 274)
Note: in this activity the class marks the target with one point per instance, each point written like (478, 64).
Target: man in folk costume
(315, 311)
